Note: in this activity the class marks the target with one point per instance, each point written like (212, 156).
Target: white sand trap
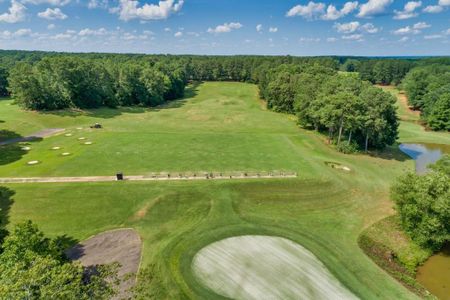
(26, 148)
(66, 154)
(265, 267)
(33, 162)
(56, 148)
(81, 138)
(68, 134)
(79, 128)
(88, 143)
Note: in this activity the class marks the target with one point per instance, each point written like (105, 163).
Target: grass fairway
(219, 126)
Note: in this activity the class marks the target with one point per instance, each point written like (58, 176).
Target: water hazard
(424, 154)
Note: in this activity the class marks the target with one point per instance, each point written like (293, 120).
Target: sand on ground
(121, 245)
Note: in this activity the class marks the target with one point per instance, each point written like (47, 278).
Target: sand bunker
(122, 246)
(68, 134)
(56, 148)
(338, 166)
(26, 148)
(65, 154)
(265, 267)
(33, 162)
(79, 128)
(88, 143)
(81, 138)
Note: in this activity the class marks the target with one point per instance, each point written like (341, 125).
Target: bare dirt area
(38, 135)
(122, 245)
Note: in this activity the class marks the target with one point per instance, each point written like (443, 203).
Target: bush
(347, 148)
(423, 203)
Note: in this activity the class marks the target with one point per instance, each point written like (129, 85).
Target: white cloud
(447, 32)
(433, 9)
(415, 29)
(333, 13)
(51, 2)
(226, 27)
(353, 37)
(346, 27)
(331, 39)
(16, 13)
(421, 25)
(309, 11)
(373, 7)
(409, 10)
(92, 32)
(444, 2)
(308, 39)
(129, 9)
(51, 26)
(6, 35)
(52, 14)
(404, 39)
(259, 27)
(98, 4)
(167, 29)
(273, 29)
(433, 36)
(369, 28)
(178, 34)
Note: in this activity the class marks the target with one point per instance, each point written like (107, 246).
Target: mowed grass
(323, 210)
(215, 128)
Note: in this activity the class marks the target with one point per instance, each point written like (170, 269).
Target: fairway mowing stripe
(131, 178)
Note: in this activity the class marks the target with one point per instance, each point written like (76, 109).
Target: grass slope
(218, 126)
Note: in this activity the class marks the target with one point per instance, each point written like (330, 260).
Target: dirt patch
(122, 246)
(338, 166)
(404, 101)
(38, 135)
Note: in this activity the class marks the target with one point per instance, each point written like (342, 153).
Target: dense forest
(328, 94)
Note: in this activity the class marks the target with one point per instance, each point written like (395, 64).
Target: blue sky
(275, 27)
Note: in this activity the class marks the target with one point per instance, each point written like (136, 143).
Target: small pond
(424, 154)
(434, 274)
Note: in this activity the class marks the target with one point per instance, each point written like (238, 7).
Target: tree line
(354, 114)
(428, 90)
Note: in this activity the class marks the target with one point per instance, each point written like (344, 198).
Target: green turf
(219, 126)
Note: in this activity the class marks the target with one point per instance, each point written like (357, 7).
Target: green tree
(423, 203)
(34, 267)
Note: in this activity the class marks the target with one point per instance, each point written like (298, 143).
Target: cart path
(38, 135)
(137, 178)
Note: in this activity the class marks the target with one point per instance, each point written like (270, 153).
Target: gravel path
(122, 246)
(38, 135)
(133, 178)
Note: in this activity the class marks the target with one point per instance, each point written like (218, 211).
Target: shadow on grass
(390, 153)
(190, 92)
(108, 113)
(10, 149)
(6, 202)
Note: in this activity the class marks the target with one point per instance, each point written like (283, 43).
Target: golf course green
(218, 126)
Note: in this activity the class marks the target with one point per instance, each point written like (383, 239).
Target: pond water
(435, 274)
(424, 154)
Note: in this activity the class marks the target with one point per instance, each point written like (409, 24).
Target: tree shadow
(10, 149)
(390, 153)
(6, 202)
(75, 252)
(101, 113)
(190, 92)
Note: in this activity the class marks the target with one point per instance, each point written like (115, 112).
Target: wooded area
(326, 93)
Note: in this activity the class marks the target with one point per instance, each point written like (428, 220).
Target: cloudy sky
(296, 27)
